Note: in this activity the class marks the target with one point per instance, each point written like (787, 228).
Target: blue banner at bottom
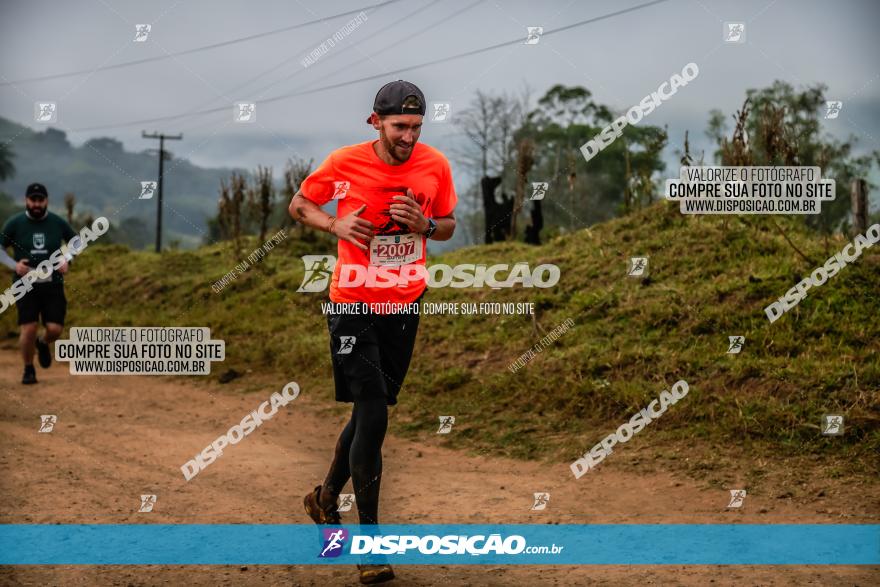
(447, 544)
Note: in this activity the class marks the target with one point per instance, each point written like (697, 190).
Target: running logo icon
(832, 109)
(346, 345)
(737, 497)
(637, 266)
(334, 541)
(440, 111)
(734, 32)
(245, 112)
(346, 500)
(541, 500)
(340, 188)
(147, 503)
(47, 423)
(832, 425)
(539, 189)
(446, 423)
(533, 34)
(319, 269)
(45, 112)
(141, 31)
(735, 344)
(147, 189)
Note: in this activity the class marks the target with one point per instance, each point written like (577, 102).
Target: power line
(259, 92)
(384, 74)
(295, 55)
(194, 49)
(375, 52)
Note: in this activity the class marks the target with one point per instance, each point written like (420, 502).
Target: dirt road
(119, 437)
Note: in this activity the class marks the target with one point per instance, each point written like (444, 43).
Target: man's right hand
(352, 227)
(22, 268)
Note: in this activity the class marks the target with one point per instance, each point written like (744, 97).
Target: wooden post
(859, 193)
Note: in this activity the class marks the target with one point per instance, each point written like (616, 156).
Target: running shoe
(43, 353)
(318, 514)
(372, 574)
(30, 375)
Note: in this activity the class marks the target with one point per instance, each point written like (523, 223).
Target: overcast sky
(620, 59)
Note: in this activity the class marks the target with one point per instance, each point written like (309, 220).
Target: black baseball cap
(36, 190)
(391, 96)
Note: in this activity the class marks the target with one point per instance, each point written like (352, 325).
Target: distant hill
(104, 177)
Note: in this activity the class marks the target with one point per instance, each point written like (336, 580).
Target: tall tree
(781, 126)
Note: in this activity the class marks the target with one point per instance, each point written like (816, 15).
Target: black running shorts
(46, 300)
(371, 354)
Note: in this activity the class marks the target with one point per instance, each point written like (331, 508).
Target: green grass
(709, 278)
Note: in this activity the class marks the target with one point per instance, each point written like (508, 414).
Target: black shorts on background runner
(46, 299)
(379, 359)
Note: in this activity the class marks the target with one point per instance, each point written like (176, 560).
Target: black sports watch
(432, 226)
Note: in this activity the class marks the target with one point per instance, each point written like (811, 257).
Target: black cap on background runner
(36, 190)
(390, 99)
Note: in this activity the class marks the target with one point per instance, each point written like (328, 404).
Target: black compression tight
(359, 456)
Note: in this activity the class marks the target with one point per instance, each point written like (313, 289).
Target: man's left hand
(63, 268)
(407, 211)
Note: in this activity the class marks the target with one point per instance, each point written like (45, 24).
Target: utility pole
(859, 201)
(162, 138)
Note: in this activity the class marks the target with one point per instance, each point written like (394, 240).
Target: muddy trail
(118, 437)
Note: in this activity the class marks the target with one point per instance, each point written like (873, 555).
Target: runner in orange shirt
(392, 195)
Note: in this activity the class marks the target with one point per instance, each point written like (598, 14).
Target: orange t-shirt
(357, 176)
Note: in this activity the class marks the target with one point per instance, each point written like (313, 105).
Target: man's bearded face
(36, 207)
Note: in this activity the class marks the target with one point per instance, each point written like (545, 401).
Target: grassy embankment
(709, 278)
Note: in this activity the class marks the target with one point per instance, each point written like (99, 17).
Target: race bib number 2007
(394, 250)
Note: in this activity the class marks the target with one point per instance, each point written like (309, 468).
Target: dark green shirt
(35, 240)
